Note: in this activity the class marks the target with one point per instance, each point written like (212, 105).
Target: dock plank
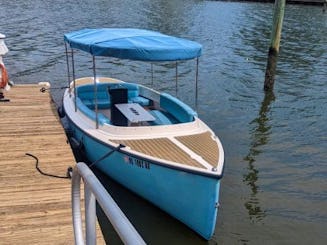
(34, 209)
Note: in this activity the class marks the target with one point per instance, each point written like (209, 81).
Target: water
(275, 186)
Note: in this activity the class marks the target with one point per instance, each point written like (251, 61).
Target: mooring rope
(68, 175)
(70, 169)
(106, 155)
(44, 89)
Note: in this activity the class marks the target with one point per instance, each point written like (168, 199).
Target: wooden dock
(34, 209)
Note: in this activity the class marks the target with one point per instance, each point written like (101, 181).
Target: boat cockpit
(130, 104)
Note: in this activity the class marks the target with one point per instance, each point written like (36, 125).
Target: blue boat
(150, 142)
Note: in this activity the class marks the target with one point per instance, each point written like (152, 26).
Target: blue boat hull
(189, 197)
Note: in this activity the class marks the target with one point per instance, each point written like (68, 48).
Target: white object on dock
(3, 47)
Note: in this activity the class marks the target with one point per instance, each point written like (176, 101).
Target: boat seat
(86, 94)
(140, 100)
(133, 94)
(90, 113)
(102, 103)
(161, 118)
(177, 108)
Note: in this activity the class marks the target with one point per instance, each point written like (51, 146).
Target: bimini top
(134, 44)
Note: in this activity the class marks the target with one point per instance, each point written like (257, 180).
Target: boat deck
(164, 148)
(34, 209)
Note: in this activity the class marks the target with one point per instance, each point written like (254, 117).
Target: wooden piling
(274, 44)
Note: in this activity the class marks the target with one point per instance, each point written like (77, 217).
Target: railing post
(94, 190)
(76, 208)
(90, 216)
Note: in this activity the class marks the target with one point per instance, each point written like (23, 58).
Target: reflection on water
(260, 132)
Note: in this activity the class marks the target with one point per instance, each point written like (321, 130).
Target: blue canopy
(134, 44)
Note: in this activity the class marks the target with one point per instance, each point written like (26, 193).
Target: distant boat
(150, 142)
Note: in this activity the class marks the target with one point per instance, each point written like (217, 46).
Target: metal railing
(94, 190)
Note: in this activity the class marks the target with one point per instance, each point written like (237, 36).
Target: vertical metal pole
(176, 78)
(74, 82)
(68, 71)
(76, 207)
(119, 221)
(151, 73)
(196, 81)
(90, 216)
(95, 94)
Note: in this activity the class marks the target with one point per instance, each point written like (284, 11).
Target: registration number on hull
(137, 162)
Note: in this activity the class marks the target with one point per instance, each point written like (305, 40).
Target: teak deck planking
(34, 209)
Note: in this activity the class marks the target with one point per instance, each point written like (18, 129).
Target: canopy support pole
(176, 78)
(151, 73)
(95, 94)
(68, 70)
(196, 81)
(74, 79)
